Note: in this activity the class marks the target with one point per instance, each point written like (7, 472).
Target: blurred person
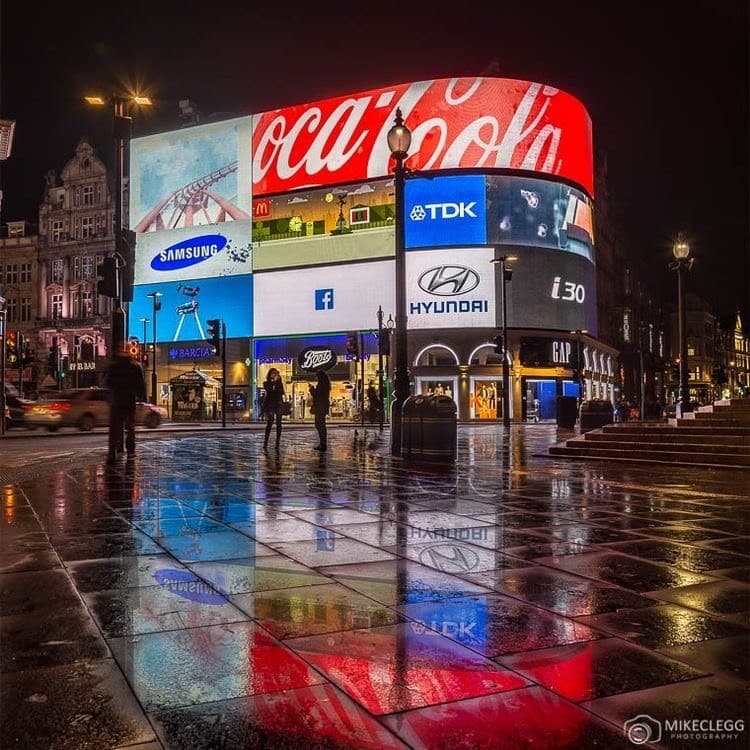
(127, 386)
(321, 405)
(274, 388)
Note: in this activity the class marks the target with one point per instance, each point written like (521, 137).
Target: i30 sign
(458, 122)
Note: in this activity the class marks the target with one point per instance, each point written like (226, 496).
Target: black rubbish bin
(566, 411)
(596, 413)
(429, 429)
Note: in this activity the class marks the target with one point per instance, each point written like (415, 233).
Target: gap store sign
(445, 211)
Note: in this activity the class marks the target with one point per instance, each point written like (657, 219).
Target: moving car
(84, 408)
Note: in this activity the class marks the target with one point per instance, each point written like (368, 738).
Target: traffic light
(214, 335)
(384, 342)
(134, 349)
(127, 250)
(106, 272)
(11, 347)
(499, 344)
(352, 345)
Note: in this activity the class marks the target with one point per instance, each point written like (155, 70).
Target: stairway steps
(695, 459)
(656, 446)
(687, 429)
(671, 437)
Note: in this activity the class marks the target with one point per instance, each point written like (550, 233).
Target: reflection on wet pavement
(209, 595)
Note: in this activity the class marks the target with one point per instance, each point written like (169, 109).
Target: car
(17, 408)
(84, 408)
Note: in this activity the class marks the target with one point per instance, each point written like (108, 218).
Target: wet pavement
(208, 594)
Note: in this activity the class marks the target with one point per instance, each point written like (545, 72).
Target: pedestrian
(274, 388)
(127, 386)
(321, 404)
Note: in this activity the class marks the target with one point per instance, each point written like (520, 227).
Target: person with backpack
(272, 401)
(321, 405)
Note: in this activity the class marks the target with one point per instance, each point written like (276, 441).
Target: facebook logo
(324, 299)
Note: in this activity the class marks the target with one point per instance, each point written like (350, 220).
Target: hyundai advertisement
(191, 177)
(186, 305)
(322, 299)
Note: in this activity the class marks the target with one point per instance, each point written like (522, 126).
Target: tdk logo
(448, 211)
(443, 211)
(188, 252)
(324, 299)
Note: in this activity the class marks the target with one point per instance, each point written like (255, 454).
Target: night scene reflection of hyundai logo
(448, 281)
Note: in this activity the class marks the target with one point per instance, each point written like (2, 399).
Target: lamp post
(145, 321)
(399, 141)
(122, 129)
(682, 262)
(381, 408)
(579, 362)
(157, 306)
(506, 274)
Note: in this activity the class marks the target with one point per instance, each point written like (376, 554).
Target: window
(83, 303)
(87, 227)
(11, 274)
(359, 215)
(12, 310)
(77, 268)
(25, 309)
(24, 276)
(88, 195)
(88, 266)
(56, 305)
(57, 230)
(56, 276)
(691, 350)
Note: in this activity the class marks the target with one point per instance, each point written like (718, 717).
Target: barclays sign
(445, 211)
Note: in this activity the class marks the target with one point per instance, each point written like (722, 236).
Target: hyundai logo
(448, 281)
(188, 252)
(449, 558)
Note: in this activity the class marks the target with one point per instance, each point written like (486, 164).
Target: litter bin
(596, 413)
(566, 411)
(429, 428)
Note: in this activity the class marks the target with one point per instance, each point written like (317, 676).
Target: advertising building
(281, 224)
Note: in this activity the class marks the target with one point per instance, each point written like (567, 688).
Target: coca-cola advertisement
(491, 123)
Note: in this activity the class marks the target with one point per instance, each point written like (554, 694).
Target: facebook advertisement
(323, 298)
(187, 304)
(445, 211)
(205, 252)
(191, 177)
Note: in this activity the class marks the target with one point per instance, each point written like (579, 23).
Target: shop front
(195, 397)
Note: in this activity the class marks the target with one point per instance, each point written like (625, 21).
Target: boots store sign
(491, 123)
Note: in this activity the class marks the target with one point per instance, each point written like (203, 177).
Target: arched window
(436, 355)
(485, 355)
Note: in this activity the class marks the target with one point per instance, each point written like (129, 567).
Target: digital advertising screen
(446, 211)
(206, 252)
(551, 289)
(542, 213)
(495, 123)
(322, 298)
(192, 176)
(452, 288)
(187, 304)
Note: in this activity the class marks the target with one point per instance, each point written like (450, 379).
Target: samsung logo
(188, 252)
(187, 585)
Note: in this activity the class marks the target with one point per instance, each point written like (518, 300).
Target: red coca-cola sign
(495, 123)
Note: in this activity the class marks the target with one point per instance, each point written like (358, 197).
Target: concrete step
(675, 436)
(689, 428)
(646, 445)
(650, 456)
(739, 403)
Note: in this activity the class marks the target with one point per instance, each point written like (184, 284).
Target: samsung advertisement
(186, 306)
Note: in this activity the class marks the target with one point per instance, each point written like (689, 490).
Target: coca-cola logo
(316, 358)
(458, 122)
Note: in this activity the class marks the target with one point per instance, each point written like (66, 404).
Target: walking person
(127, 386)
(274, 388)
(321, 405)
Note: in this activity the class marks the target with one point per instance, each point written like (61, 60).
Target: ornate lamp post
(157, 306)
(506, 274)
(682, 262)
(399, 140)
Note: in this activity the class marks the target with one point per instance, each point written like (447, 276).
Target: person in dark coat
(127, 386)
(321, 405)
(274, 388)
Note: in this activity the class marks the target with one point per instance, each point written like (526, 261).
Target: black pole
(401, 390)
(120, 128)
(153, 356)
(2, 364)
(683, 404)
(506, 369)
(223, 374)
(381, 407)
(580, 369)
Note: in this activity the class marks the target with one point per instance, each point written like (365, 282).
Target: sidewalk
(210, 595)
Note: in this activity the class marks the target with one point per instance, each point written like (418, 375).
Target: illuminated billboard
(322, 299)
(192, 176)
(491, 123)
(187, 304)
(450, 288)
(205, 252)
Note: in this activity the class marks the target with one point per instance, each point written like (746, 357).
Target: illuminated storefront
(282, 225)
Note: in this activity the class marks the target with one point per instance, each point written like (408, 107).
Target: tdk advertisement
(445, 211)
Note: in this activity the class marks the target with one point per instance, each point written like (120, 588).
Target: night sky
(666, 87)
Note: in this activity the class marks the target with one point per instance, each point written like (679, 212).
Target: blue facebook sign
(445, 211)
(324, 299)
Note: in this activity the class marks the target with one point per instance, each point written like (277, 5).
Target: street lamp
(122, 128)
(682, 262)
(399, 141)
(506, 274)
(579, 362)
(144, 321)
(157, 306)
